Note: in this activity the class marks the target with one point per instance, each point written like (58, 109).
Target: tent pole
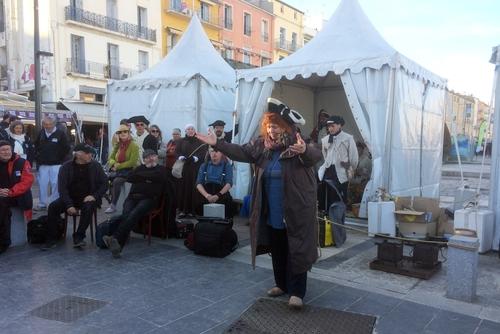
(198, 101)
(424, 98)
(386, 172)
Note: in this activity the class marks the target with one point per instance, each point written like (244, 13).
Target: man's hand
(300, 146)
(72, 211)
(210, 138)
(4, 192)
(89, 198)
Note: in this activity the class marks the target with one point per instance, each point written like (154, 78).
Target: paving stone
(191, 324)
(339, 298)
(374, 304)
(452, 323)
(488, 327)
(130, 325)
(407, 317)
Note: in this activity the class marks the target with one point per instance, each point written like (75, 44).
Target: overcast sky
(452, 38)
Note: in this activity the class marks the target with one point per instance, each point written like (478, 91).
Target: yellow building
(176, 15)
(288, 29)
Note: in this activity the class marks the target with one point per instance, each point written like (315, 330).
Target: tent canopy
(193, 55)
(390, 102)
(192, 84)
(347, 41)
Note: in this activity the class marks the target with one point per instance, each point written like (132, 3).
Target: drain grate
(267, 316)
(67, 308)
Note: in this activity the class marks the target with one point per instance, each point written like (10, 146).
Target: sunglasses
(154, 131)
(120, 132)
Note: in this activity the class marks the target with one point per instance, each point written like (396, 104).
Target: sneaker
(295, 303)
(48, 245)
(275, 292)
(113, 245)
(111, 209)
(78, 242)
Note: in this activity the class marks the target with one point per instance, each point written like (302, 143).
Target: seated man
(215, 179)
(82, 183)
(15, 189)
(147, 181)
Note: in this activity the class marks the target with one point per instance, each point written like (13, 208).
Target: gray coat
(299, 201)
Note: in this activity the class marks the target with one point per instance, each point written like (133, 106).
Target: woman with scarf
(123, 158)
(192, 151)
(283, 217)
(22, 142)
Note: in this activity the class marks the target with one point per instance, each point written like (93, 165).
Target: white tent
(192, 84)
(388, 101)
(495, 154)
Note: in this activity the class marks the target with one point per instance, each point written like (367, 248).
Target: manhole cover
(67, 308)
(274, 316)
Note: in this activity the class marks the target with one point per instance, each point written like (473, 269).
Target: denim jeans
(133, 211)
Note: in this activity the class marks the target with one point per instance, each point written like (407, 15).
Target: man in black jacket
(51, 147)
(145, 194)
(82, 183)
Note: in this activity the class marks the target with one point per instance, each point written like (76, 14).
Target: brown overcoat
(299, 201)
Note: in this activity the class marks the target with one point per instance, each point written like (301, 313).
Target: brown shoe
(295, 303)
(275, 292)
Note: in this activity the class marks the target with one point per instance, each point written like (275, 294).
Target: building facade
(247, 34)
(176, 15)
(288, 29)
(91, 42)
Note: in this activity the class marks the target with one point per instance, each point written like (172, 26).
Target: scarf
(121, 156)
(332, 136)
(18, 144)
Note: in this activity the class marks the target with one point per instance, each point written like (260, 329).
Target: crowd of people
(181, 175)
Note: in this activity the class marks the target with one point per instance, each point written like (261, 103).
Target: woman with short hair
(22, 142)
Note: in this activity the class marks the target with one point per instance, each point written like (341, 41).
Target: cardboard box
(417, 217)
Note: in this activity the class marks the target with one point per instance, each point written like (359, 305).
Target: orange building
(247, 34)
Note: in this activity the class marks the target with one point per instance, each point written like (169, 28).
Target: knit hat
(148, 152)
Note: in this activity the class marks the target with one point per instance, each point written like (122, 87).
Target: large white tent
(388, 101)
(192, 84)
(495, 154)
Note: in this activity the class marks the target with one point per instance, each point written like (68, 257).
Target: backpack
(105, 228)
(37, 230)
(214, 237)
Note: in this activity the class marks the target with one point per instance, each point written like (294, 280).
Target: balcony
(180, 7)
(238, 65)
(228, 23)
(97, 70)
(109, 23)
(287, 45)
(264, 36)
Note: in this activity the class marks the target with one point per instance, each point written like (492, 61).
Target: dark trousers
(57, 207)
(293, 284)
(5, 215)
(226, 199)
(331, 194)
(133, 211)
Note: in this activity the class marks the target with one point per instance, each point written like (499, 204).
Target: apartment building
(176, 15)
(91, 42)
(247, 34)
(288, 29)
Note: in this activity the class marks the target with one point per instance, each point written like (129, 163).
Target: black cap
(83, 148)
(148, 152)
(138, 119)
(218, 123)
(336, 120)
(290, 116)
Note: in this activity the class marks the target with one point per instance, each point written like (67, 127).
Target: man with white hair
(51, 147)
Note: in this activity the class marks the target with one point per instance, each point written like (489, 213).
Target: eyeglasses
(139, 124)
(120, 132)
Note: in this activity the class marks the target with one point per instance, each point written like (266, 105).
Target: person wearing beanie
(284, 206)
(82, 184)
(148, 182)
(16, 180)
(340, 160)
(123, 158)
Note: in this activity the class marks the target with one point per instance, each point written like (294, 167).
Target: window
(264, 61)
(111, 9)
(282, 38)
(143, 61)
(172, 40)
(294, 41)
(205, 12)
(228, 50)
(247, 24)
(77, 54)
(2, 17)
(142, 21)
(468, 110)
(228, 17)
(88, 97)
(246, 57)
(294, 15)
(264, 30)
(282, 9)
(113, 61)
(76, 3)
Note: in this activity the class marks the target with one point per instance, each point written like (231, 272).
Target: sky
(452, 38)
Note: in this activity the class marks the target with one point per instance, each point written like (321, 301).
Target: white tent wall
(494, 199)
(215, 104)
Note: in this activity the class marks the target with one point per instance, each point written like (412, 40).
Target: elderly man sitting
(148, 181)
(82, 183)
(15, 189)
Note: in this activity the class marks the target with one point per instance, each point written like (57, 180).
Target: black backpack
(214, 238)
(37, 230)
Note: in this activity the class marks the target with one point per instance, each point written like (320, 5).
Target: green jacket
(132, 156)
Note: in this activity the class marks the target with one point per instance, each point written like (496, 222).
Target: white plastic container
(381, 218)
(214, 210)
(477, 220)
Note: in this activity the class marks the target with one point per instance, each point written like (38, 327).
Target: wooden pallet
(406, 267)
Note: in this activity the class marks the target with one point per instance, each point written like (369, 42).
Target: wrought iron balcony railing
(109, 23)
(98, 70)
(287, 45)
(206, 17)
